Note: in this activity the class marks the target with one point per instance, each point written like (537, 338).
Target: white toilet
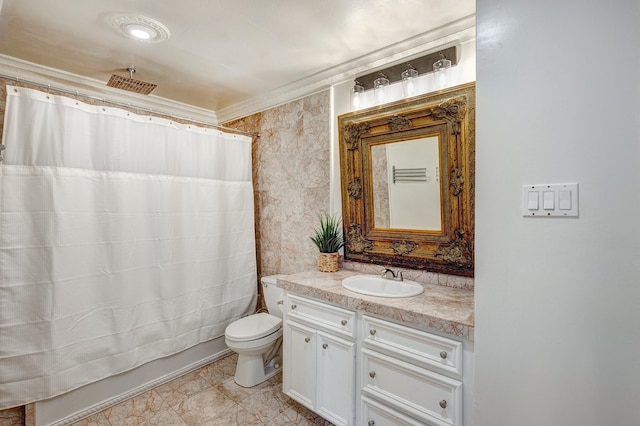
(257, 338)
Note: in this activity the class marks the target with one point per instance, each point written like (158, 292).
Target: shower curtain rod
(122, 104)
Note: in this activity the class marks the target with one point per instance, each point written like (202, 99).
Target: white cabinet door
(336, 379)
(299, 378)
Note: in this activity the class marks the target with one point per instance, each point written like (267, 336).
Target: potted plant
(329, 239)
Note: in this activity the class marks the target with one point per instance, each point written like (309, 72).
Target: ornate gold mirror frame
(446, 120)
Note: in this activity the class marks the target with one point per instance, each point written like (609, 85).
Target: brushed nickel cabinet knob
(307, 339)
(372, 374)
(371, 423)
(372, 331)
(294, 306)
(443, 355)
(443, 403)
(325, 346)
(343, 322)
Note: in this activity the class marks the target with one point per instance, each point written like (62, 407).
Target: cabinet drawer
(411, 345)
(321, 315)
(418, 392)
(376, 414)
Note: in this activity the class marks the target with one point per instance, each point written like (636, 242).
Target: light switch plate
(563, 204)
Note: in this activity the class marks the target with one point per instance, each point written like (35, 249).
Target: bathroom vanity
(362, 360)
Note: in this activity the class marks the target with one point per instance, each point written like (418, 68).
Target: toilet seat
(253, 327)
(257, 338)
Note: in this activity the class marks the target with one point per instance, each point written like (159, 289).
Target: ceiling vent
(130, 83)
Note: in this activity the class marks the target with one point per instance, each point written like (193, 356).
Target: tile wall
(291, 180)
(12, 417)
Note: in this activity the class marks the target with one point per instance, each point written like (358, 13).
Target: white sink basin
(374, 285)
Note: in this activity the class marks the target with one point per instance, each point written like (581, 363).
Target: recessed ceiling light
(139, 32)
(140, 28)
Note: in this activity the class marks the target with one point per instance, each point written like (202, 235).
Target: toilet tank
(272, 294)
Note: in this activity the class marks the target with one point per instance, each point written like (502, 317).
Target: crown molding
(453, 33)
(30, 72)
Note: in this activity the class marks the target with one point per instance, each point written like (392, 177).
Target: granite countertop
(444, 309)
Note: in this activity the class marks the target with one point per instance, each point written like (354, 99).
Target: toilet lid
(253, 327)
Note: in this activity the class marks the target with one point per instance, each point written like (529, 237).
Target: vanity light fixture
(356, 95)
(442, 71)
(410, 74)
(380, 87)
(140, 28)
(409, 77)
(422, 64)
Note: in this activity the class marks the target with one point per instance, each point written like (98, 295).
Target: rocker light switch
(564, 199)
(533, 200)
(550, 200)
(547, 200)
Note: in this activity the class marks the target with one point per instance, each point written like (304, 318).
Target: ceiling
(220, 52)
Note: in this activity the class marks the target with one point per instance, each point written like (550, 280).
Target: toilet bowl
(257, 339)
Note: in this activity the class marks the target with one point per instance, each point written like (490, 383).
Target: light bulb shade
(441, 72)
(380, 88)
(409, 77)
(357, 94)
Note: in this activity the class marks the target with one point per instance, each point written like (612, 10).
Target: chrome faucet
(385, 274)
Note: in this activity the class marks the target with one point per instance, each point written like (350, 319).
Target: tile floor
(208, 397)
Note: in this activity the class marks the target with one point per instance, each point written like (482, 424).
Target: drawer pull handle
(372, 331)
(443, 355)
(324, 346)
(343, 322)
(443, 403)
(307, 339)
(372, 374)
(294, 306)
(371, 423)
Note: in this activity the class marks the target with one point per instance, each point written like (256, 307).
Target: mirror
(405, 185)
(407, 172)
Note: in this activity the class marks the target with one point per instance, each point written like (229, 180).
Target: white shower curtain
(123, 239)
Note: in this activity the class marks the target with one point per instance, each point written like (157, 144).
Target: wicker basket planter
(329, 240)
(329, 262)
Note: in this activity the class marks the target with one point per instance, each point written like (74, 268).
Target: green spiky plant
(328, 237)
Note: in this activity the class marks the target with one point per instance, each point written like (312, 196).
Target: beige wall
(291, 181)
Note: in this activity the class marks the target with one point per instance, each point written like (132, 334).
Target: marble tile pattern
(291, 180)
(30, 414)
(205, 397)
(439, 308)
(12, 417)
(380, 184)
(208, 397)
